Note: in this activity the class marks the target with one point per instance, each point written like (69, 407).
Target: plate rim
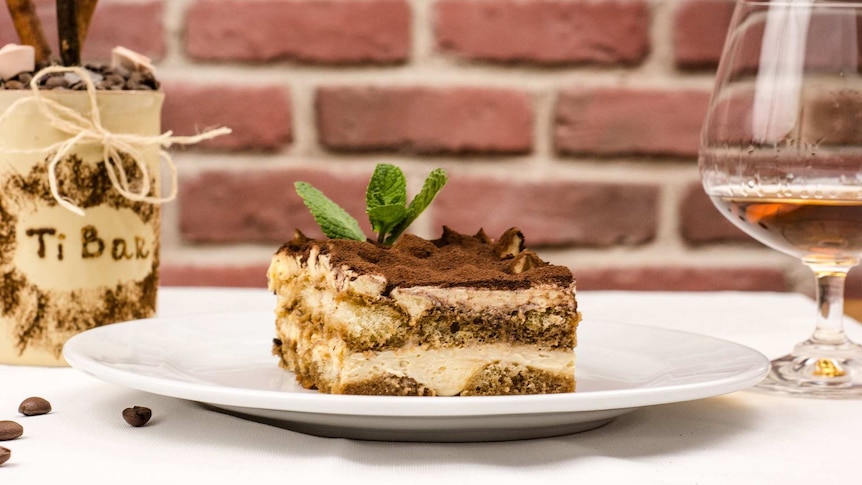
(402, 406)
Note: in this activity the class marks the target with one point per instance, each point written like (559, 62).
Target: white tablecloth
(740, 438)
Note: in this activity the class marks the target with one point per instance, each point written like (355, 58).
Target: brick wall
(576, 120)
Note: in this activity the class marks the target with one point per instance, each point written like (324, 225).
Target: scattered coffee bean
(137, 416)
(9, 430)
(5, 454)
(34, 406)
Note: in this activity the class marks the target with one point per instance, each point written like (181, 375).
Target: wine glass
(781, 157)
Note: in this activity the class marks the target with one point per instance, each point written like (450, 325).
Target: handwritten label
(60, 250)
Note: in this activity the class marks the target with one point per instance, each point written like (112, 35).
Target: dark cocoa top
(454, 260)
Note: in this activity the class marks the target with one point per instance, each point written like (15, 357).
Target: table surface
(743, 437)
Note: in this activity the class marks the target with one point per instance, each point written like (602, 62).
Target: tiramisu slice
(400, 315)
(456, 316)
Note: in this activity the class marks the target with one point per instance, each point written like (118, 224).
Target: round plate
(224, 362)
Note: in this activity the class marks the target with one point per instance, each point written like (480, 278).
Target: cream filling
(417, 300)
(448, 370)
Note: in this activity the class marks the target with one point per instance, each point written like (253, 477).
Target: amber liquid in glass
(802, 227)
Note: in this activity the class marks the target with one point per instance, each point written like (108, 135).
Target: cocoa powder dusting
(453, 260)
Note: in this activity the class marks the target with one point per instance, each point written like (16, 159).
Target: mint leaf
(386, 199)
(385, 217)
(435, 181)
(386, 187)
(335, 222)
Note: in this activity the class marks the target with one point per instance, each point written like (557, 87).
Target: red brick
(613, 121)
(252, 276)
(260, 206)
(260, 116)
(545, 32)
(425, 120)
(326, 31)
(551, 213)
(135, 25)
(682, 279)
(701, 222)
(699, 30)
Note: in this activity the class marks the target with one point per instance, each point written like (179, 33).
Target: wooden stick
(67, 27)
(86, 8)
(29, 27)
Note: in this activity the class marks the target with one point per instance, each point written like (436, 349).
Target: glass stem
(830, 302)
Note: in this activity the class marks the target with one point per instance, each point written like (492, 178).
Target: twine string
(88, 130)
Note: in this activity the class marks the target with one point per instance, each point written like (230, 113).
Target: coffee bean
(56, 82)
(122, 71)
(34, 406)
(137, 416)
(5, 454)
(121, 78)
(9, 430)
(114, 80)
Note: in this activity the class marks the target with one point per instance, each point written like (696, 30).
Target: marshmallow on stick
(16, 58)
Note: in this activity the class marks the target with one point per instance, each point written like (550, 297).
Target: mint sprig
(332, 219)
(435, 181)
(385, 202)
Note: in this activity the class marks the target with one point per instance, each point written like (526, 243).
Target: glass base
(817, 371)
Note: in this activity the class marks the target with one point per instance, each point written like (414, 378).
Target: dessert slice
(460, 315)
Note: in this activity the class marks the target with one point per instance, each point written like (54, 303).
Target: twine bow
(88, 130)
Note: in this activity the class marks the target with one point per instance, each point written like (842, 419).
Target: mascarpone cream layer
(447, 370)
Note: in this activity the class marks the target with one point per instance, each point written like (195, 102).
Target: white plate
(223, 361)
